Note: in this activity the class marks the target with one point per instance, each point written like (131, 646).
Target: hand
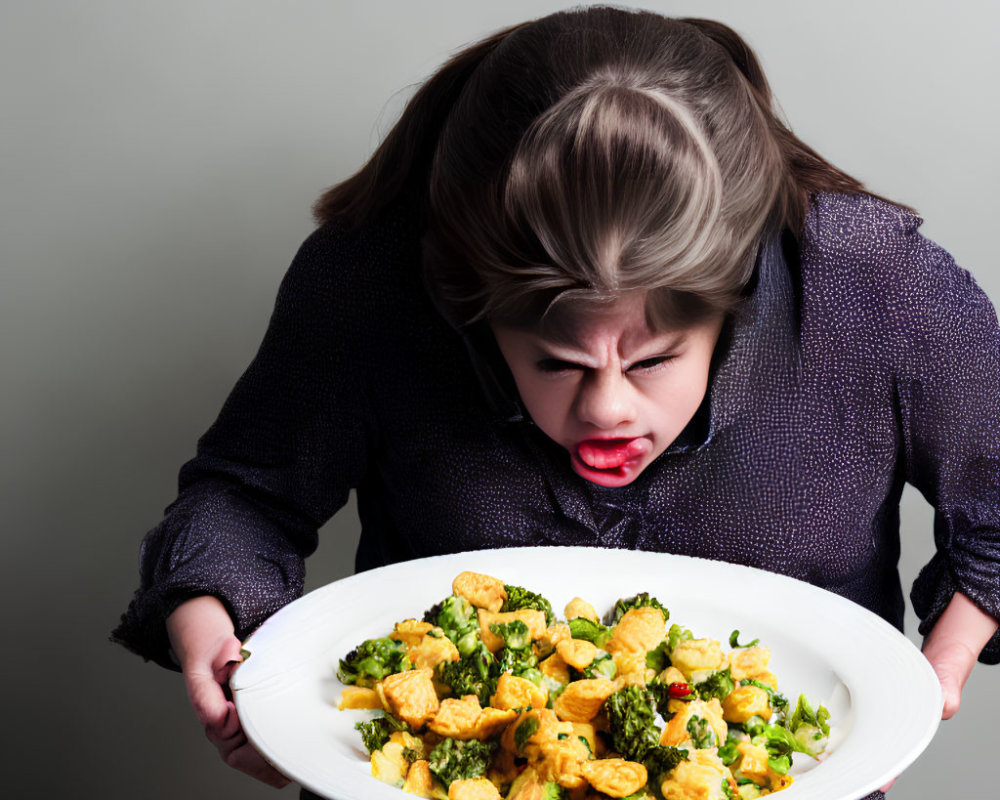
(201, 634)
(952, 649)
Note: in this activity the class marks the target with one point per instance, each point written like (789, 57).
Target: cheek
(546, 402)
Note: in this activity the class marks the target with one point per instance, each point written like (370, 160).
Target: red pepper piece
(678, 690)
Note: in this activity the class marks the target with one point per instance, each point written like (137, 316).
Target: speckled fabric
(861, 360)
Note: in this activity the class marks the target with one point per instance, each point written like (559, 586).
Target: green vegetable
(718, 684)
(810, 728)
(524, 731)
(727, 790)
(734, 641)
(456, 616)
(582, 628)
(456, 760)
(729, 752)
(518, 597)
(660, 761)
(603, 666)
(475, 673)
(659, 657)
(779, 742)
(515, 634)
(520, 663)
(631, 720)
(372, 660)
(375, 733)
(640, 600)
(702, 734)
(677, 634)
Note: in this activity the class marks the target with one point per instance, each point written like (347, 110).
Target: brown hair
(588, 154)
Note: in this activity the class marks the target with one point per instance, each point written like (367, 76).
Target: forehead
(581, 325)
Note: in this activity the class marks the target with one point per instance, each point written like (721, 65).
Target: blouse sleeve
(287, 447)
(946, 346)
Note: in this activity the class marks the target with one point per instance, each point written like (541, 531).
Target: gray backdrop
(157, 163)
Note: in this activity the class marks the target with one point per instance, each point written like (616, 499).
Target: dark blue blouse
(862, 358)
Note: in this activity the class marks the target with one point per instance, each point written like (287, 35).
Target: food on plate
(490, 696)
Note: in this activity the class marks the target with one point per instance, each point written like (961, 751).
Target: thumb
(207, 698)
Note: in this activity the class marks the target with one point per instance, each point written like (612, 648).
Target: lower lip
(630, 451)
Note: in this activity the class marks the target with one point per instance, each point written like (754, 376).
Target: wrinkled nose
(605, 400)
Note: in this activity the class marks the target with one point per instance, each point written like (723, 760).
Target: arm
(954, 644)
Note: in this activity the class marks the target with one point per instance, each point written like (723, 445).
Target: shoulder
(868, 271)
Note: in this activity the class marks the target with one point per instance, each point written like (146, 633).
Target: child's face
(614, 394)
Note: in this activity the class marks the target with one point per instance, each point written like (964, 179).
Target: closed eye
(556, 365)
(648, 364)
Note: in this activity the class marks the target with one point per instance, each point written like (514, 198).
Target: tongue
(605, 456)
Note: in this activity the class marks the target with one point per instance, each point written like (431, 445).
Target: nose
(605, 400)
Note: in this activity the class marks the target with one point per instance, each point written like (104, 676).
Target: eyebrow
(551, 344)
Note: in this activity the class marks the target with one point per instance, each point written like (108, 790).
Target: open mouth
(608, 462)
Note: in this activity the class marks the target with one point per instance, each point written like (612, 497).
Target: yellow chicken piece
(641, 629)
(504, 768)
(577, 607)
(389, 765)
(410, 631)
(555, 667)
(671, 675)
(411, 697)
(431, 651)
(515, 692)
(630, 669)
(473, 789)
(539, 725)
(748, 662)
(615, 777)
(744, 702)
(483, 591)
(676, 733)
(466, 719)
(534, 619)
(753, 766)
(581, 700)
(419, 780)
(359, 697)
(562, 761)
(587, 732)
(697, 658)
(698, 778)
(577, 653)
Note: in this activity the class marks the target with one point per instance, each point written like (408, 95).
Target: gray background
(157, 163)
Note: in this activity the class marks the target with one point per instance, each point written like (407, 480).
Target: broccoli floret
(810, 728)
(627, 604)
(582, 628)
(518, 597)
(456, 616)
(375, 733)
(631, 720)
(779, 742)
(603, 666)
(475, 673)
(718, 684)
(660, 761)
(456, 760)
(372, 660)
(515, 634)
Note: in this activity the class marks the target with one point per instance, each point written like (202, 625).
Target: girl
(591, 290)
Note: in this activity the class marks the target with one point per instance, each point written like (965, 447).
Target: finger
(207, 698)
(246, 759)
(888, 786)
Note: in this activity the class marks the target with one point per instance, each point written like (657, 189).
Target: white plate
(884, 699)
